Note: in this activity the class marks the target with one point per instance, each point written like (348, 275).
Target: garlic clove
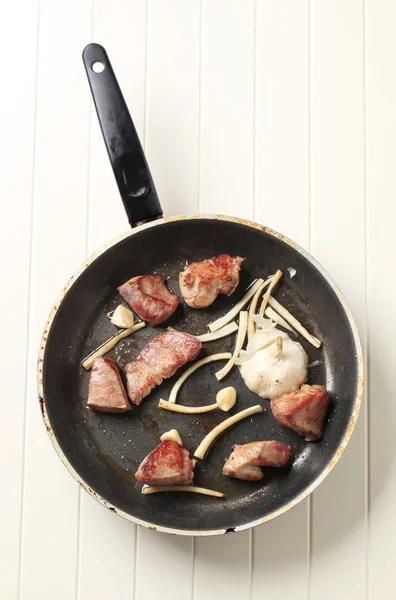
(122, 317)
(172, 435)
(226, 398)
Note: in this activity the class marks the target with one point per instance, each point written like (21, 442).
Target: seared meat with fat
(202, 281)
(159, 360)
(106, 391)
(148, 296)
(245, 460)
(168, 464)
(304, 411)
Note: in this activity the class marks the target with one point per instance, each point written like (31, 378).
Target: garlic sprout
(180, 408)
(214, 335)
(151, 489)
(243, 321)
(236, 308)
(267, 294)
(271, 314)
(220, 333)
(225, 400)
(107, 346)
(253, 306)
(210, 438)
(283, 312)
(193, 368)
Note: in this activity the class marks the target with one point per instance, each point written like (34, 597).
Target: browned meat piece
(303, 411)
(168, 464)
(159, 360)
(148, 296)
(202, 281)
(245, 460)
(106, 391)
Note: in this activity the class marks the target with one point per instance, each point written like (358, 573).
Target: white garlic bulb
(273, 364)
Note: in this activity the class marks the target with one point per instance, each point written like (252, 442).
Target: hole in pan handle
(125, 151)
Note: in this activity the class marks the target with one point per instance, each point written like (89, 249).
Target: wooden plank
(172, 140)
(16, 192)
(125, 41)
(222, 567)
(282, 202)
(106, 553)
(281, 543)
(171, 558)
(338, 242)
(171, 143)
(282, 117)
(226, 186)
(50, 499)
(227, 108)
(381, 193)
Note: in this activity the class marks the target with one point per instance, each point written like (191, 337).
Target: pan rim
(313, 485)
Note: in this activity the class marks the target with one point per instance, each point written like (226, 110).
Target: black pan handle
(125, 151)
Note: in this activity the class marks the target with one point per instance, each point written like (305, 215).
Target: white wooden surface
(279, 110)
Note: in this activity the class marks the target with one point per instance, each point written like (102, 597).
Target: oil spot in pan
(207, 421)
(122, 473)
(150, 421)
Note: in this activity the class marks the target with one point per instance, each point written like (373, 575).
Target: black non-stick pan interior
(106, 449)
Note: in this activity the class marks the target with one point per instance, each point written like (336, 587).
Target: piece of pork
(149, 297)
(168, 464)
(201, 282)
(159, 360)
(106, 391)
(304, 411)
(245, 460)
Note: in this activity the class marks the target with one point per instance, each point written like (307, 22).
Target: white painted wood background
(282, 111)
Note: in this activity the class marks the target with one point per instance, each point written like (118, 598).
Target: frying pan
(103, 451)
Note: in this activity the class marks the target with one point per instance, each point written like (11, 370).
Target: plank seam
(255, 5)
(145, 119)
(193, 575)
(29, 303)
(193, 569)
(366, 331)
(146, 82)
(135, 562)
(254, 107)
(200, 102)
(310, 92)
(87, 245)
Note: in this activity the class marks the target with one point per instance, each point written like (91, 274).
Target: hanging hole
(97, 66)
